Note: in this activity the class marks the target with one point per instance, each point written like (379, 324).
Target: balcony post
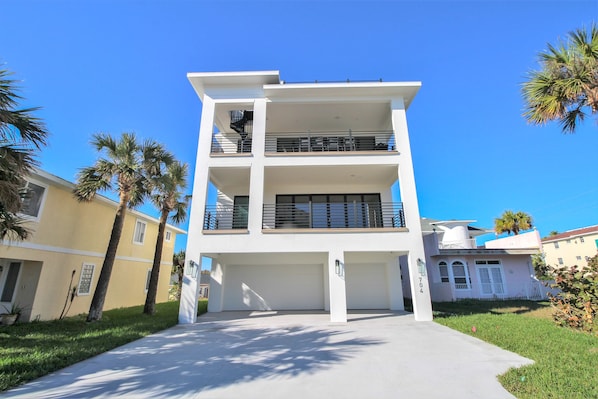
(420, 289)
(256, 177)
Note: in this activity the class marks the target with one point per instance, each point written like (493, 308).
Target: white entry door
(491, 277)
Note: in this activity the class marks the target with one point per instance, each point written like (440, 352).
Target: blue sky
(116, 66)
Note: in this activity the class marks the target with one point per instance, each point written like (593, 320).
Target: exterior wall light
(193, 269)
(421, 265)
(338, 268)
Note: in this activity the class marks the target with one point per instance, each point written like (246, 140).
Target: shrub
(576, 305)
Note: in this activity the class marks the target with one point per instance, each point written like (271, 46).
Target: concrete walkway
(289, 355)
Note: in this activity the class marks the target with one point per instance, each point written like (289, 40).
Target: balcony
(219, 217)
(319, 142)
(333, 215)
(306, 142)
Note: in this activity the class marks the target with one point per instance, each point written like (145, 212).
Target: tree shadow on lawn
(191, 359)
(497, 307)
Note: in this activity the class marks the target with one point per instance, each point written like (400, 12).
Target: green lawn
(31, 350)
(566, 361)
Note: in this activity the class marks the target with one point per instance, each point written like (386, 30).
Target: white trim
(41, 174)
(137, 232)
(70, 251)
(93, 269)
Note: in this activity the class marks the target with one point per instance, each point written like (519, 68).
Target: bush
(576, 305)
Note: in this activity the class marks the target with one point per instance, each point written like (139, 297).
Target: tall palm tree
(512, 222)
(123, 170)
(168, 197)
(566, 88)
(21, 135)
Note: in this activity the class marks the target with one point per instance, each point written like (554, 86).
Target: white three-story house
(304, 197)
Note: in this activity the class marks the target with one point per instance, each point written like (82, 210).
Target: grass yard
(31, 350)
(566, 361)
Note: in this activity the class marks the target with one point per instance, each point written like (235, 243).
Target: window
(167, 235)
(329, 211)
(568, 241)
(556, 245)
(581, 239)
(139, 234)
(560, 261)
(10, 284)
(32, 202)
(443, 268)
(85, 279)
(491, 277)
(240, 211)
(147, 279)
(460, 276)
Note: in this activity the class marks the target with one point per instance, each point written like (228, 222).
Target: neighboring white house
(304, 197)
(458, 269)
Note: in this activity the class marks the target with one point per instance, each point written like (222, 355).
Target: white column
(190, 290)
(215, 303)
(336, 285)
(256, 179)
(395, 284)
(420, 289)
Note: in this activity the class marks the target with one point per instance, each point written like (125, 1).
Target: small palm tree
(512, 222)
(123, 171)
(21, 134)
(167, 196)
(566, 87)
(178, 268)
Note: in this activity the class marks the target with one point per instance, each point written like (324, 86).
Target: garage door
(273, 287)
(367, 286)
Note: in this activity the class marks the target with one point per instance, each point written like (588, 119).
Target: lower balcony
(309, 215)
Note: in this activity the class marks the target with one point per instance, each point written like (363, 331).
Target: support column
(420, 289)
(190, 290)
(256, 179)
(395, 284)
(215, 303)
(336, 284)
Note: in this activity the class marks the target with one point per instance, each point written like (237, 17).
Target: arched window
(444, 274)
(460, 275)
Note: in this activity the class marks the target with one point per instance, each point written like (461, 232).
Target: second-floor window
(139, 235)
(85, 279)
(33, 200)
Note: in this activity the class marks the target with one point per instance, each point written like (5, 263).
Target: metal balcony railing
(333, 215)
(219, 217)
(230, 143)
(338, 141)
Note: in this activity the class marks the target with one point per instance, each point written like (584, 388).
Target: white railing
(458, 244)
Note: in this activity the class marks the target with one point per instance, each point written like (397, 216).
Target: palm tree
(123, 171)
(566, 87)
(167, 197)
(178, 267)
(21, 134)
(512, 222)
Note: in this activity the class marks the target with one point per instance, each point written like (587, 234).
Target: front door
(491, 277)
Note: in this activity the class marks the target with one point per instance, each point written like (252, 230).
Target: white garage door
(273, 287)
(367, 286)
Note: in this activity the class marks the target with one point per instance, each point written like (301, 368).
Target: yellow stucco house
(63, 257)
(573, 247)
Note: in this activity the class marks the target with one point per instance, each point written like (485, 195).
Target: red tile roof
(572, 233)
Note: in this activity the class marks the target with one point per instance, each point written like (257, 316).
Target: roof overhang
(202, 81)
(481, 251)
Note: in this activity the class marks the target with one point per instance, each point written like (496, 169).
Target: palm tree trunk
(179, 288)
(152, 291)
(99, 296)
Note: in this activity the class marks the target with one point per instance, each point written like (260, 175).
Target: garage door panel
(273, 287)
(367, 286)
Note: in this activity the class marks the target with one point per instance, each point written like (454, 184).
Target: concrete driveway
(289, 355)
